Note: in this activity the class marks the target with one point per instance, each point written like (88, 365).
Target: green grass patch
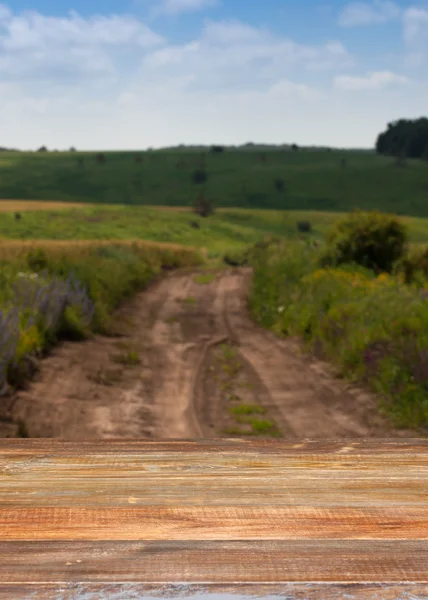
(205, 278)
(189, 300)
(130, 358)
(247, 409)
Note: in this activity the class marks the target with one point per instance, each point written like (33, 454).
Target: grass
(247, 416)
(227, 233)
(205, 278)
(313, 180)
(189, 300)
(247, 409)
(129, 358)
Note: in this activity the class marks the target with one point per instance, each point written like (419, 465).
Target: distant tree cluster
(405, 138)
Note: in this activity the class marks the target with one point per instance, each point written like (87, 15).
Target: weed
(204, 278)
(189, 300)
(247, 409)
(129, 358)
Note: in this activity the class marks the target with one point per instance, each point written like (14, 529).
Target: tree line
(405, 138)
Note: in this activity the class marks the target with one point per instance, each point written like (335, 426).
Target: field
(227, 230)
(303, 180)
(69, 260)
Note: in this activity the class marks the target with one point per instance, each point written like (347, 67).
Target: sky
(133, 74)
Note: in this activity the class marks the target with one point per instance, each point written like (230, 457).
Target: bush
(414, 266)
(304, 227)
(236, 259)
(199, 176)
(203, 206)
(279, 184)
(37, 259)
(370, 239)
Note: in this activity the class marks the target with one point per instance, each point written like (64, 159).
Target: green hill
(316, 180)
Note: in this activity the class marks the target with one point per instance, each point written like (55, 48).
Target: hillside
(281, 179)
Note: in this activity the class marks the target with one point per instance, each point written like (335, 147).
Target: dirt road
(190, 363)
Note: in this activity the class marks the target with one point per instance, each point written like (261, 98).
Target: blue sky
(110, 74)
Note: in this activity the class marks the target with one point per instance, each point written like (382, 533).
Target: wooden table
(214, 519)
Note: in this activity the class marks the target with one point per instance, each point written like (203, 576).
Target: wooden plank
(289, 489)
(290, 591)
(82, 475)
(213, 523)
(52, 447)
(205, 562)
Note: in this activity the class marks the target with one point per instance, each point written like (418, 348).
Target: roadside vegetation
(359, 301)
(51, 291)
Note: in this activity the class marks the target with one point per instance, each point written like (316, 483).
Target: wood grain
(122, 519)
(213, 523)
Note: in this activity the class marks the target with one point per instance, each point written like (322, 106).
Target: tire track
(176, 327)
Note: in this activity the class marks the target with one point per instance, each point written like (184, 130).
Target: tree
(405, 138)
(199, 176)
(42, 149)
(203, 206)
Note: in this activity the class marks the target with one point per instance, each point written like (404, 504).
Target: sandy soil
(185, 354)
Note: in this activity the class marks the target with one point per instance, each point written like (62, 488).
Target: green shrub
(72, 326)
(370, 239)
(414, 266)
(304, 227)
(37, 259)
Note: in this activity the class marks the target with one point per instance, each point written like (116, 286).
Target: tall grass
(50, 291)
(375, 329)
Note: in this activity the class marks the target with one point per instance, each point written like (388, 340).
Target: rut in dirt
(190, 363)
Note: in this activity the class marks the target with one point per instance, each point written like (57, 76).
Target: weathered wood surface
(214, 519)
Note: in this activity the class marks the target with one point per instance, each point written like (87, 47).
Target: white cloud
(364, 13)
(35, 46)
(177, 7)
(415, 33)
(416, 26)
(232, 54)
(373, 81)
